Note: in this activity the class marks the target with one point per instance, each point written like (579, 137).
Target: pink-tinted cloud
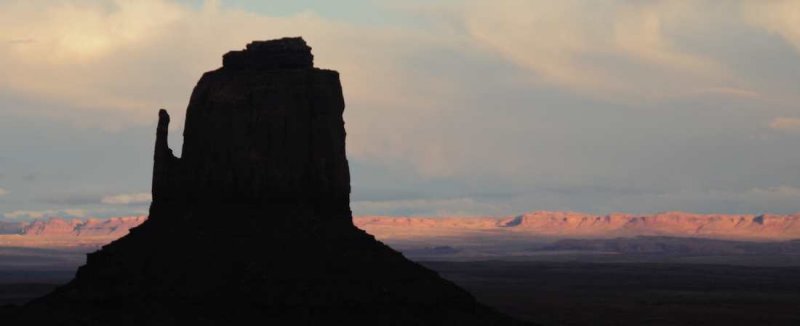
(785, 124)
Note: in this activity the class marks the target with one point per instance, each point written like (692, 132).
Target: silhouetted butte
(253, 222)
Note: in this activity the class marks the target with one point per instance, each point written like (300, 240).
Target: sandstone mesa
(766, 227)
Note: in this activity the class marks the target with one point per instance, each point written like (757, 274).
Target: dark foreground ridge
(264, 146)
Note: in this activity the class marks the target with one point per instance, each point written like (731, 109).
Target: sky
(453, 107)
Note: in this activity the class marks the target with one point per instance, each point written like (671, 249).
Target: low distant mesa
(766, 227)
(72, 232)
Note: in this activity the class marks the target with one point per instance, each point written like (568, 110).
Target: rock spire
(264, 147)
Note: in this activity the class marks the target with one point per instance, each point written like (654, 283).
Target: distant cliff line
(747, 227)
(58, 226)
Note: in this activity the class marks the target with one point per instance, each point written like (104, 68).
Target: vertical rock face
(264, 146)
(266, 128)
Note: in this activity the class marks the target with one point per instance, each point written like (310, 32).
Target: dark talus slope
(264, 146)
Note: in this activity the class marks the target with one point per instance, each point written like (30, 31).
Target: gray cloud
(71, 199)
(127, 199)
(28, 214)
(497, 109)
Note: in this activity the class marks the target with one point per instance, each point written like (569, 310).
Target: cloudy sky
(453, 108)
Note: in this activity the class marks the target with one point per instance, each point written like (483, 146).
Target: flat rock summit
(264, 146)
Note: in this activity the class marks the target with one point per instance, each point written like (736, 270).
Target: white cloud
(428, 207)
(127, 199)
(25, 214)
(785, 124)
(3, 192)
(730, 92)
(112, 65)
(119, 62)
(777, 192)
(781, 17)
(77, 53)
(615, 49)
